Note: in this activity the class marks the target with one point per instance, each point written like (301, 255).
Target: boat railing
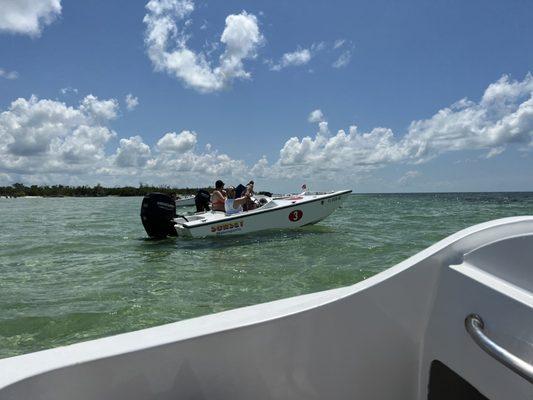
(475, 327)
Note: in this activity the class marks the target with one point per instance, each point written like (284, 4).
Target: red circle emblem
(296, 215)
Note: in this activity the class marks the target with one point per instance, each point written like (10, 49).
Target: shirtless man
(218, 197)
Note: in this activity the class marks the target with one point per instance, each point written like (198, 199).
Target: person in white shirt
(233, 205)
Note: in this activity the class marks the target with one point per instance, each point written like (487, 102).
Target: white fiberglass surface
(510, 259)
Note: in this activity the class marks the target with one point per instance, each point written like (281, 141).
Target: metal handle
(474, 326)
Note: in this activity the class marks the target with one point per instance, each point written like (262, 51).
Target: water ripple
(78, 269)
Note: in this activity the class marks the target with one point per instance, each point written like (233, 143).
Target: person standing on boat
(250, 188)
(218, 197)
(250, 204)
(233, 205)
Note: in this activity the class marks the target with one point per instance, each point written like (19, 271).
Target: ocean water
(73, 269)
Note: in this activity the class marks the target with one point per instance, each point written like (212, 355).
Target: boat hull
(290, 214)
(185, 202)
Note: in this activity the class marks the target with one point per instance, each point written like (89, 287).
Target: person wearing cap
(218, 197)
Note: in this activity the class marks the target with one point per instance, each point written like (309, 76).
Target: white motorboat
(454, 321)
(278, 213)
(286, 212)
(185, 201)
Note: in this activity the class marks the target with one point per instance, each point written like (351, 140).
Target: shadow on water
(220, 242)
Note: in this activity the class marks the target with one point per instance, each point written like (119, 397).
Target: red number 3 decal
(296, 215)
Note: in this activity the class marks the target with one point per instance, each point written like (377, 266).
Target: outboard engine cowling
(201, 200)
(157, 215)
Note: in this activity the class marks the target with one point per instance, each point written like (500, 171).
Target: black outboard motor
(201, 200)
(157, 213)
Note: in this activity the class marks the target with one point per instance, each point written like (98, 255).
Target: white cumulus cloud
(316, 116)
(343, 60)
(40, 136)
(28, 17)
(298, 57)
(295, 58)
(68, 90)
(99, 109)
(48, 141)
(132, 152)
(173, 142)
(338, 43)
(131, 101)
(8, 74)
(503, 117)
(167, 39)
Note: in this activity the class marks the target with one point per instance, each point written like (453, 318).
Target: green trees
(19, 189)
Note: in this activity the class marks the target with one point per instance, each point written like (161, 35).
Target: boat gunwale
(259, 211)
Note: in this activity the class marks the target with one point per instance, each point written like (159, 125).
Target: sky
(373, 96)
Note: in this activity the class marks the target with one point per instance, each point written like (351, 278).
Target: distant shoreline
(19, 190)
(170, 192)
(68, 196)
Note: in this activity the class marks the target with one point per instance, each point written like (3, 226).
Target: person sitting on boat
(218, 197)
(233, 205)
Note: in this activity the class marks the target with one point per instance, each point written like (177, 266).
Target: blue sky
(242, 108)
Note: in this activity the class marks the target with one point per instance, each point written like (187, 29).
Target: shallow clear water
(73, 269)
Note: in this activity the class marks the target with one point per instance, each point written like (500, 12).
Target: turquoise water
(74, 269)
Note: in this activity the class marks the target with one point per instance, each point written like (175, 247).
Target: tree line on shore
(20, 190)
